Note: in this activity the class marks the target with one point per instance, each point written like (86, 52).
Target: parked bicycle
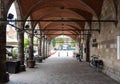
(96, 62)
(78, 57)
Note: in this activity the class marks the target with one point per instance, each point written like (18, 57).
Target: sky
(13, 10)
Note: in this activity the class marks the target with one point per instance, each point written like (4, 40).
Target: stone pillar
(39, 51)
(39, 47)
(31, 61)
(46, 47)
(4, 76)
(42, 47)
(79, 44)
(21, 50)
(88, 49)
(43, 39)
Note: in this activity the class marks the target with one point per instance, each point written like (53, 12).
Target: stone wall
(107, 41)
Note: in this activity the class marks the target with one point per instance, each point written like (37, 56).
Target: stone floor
(61, 70)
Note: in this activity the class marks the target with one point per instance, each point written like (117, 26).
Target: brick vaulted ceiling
(61, 9)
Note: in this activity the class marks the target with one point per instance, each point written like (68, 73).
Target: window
(118, 47)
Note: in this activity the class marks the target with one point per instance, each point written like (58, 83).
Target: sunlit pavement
(63, 53)
(61, 68)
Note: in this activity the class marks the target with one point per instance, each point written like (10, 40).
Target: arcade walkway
(61, 70)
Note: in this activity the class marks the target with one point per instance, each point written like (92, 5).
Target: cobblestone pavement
(60, 70)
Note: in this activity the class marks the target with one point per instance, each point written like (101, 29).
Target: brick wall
(107, 41)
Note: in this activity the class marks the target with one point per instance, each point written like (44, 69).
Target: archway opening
(11, 34)
(63, 46)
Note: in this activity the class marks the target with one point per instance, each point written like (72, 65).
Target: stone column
(4, 76)
(46, 47)
(21, 50)
(88, 49)
(42, 47)
(39, 47)
(43, 38)
(31, 61)
(39, 50)
(79, 44)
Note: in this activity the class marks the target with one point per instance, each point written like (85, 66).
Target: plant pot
(30, 63)
(12, 66)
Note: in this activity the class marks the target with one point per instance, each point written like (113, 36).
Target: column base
(47, 56)
(4, 78)
(30, 63)
(22, 68)
(44, 58)
(39, 60)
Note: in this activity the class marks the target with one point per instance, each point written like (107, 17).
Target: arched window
(11, 33)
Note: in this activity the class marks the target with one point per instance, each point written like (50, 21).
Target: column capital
(31, 35)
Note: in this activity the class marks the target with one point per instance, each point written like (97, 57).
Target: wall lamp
(10, 16)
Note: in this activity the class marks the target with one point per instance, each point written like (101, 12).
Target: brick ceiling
(61, 10)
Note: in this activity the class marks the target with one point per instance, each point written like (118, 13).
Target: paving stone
(61, 70)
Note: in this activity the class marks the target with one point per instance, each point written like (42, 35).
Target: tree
(73, 43)
(26, 42)
(60, 41)
(53, 42)
(35, 40)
